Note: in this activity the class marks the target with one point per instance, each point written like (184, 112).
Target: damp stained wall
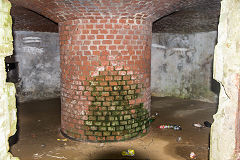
(37, 54)
(182, 65)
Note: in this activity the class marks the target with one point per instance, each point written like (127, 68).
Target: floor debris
(129, 152)
(207, 124)
(175, 127)
(198, 125)
(193, 155)
(37, 156)
(58, 157)
(62, 140)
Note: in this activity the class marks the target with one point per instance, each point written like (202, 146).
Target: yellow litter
(63, 140)
(129, 152)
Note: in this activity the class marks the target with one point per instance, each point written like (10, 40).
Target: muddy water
(39, 123)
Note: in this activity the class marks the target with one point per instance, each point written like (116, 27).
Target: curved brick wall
(105, 67)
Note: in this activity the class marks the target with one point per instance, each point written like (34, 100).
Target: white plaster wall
(39, 65)
(182, 65)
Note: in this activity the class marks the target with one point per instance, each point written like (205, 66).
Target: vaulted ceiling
(168, 15)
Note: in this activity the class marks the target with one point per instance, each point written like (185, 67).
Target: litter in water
(175, 127)
(198, 125)
(193, 155)
(207, 124)
(63, 140)
(129, 152)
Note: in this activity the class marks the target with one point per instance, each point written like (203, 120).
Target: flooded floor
(38, 134)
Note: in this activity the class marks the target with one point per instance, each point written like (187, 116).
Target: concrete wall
(8, 116)
(37, 54)
(225, 129)
(182, 65)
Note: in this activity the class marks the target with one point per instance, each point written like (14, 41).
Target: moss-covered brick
(120, 118)
(127, 117)
(89, 133)
(102, 128)
(100, 99)
(119, 108)
(118, 98)
(115, 103)
(101, 118)
(114, 93)
(124, 103)
(105, 113)
(115, 113)
(93, 128)
(98, 133)
(112, 108)
(135, 134)
(123, 122)
(106, 123)
(115, 123)
(132, 130)
(123, 93)
(106, 133)
(97, 103)
(97, 123)
(127, 136)
(112, 111)
(131, 121)
(117, 133)
(127, 97)
(98, 113)
(111, 128)
(107, 103)
(103, 108)
(127, 127)
(138, 129)
(121, 83)
(88, 123)
(92, 118)
(119, 128)
(111, 118)
(131, 92)
(110, 99)
(134, 125)
(134, 86)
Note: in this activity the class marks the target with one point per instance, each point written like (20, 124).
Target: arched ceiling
(201, 18)
(169, 15)
(27, 20)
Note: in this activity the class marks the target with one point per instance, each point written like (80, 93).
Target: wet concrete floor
(39, 124)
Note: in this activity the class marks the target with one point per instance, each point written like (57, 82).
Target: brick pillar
(105, 77)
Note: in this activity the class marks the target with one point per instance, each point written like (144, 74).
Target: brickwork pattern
(105, 78)
(64, 10)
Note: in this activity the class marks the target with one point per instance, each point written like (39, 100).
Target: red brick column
(105, 78)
